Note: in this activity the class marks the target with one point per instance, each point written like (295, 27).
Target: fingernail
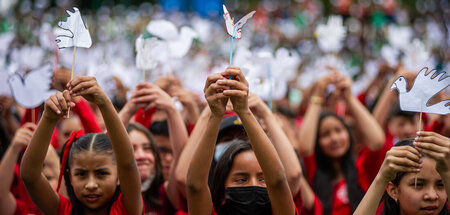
(220, 81)
(58, 112)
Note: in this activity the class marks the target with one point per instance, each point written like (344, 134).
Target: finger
(233, 84)
(410, 153)
(150, 106)
(212, 79)
(144, 85)
(430, 146)
(399, 168)
(433, 154)
(237, 93)
(435, 139)
(144, 91)
(79, 79)
(215, 88)
(82, 86)
(52, 105)
(30, 126)
(54, 100)
(402, 161)
(217, 96)
(61, 101)
(146, 99)
(235, 74)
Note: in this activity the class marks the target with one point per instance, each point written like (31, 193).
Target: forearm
(125, 116)
(189, 150)
(7, 168)
(177, 131)
(193, 113)
(285, 151)
(369, 204)
(383, 106)
(36, 151)
(374, 137)
(265, 152)
(197, 176)
(307, 132)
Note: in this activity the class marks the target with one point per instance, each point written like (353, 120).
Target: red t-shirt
(23, 200)
(22, 208)
(367, 165)
(117, 208)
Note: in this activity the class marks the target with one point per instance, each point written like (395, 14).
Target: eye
(80, 174)
(102, 173)
(417, 186)
(262, 179)
(240, 180)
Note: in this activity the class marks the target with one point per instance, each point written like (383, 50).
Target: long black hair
(326, 173)
(97, 142)
(222, 170)
(391, 207)
(152, 201)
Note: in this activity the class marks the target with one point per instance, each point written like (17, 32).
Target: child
(258, 171)
(426, 159)
(101, 174)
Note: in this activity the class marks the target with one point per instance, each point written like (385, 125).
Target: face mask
(146, 184)
(246, 201)
(220, 149)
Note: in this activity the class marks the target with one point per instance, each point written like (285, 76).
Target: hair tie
(73, 136)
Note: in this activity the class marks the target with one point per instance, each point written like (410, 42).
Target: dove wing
(228, 21)
(39, 79)
(76, 32)
(240, 24)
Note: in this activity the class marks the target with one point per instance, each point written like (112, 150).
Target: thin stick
(33, 116)
(420, 128)
(71, 74)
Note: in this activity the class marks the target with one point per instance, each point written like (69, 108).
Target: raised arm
(374, 137)
(398, 159)
(189, 150)
(155, 97)
(266, 154)
(21, 139)
(35, 182)
(281, 142)
(307, 132)
(129, 178)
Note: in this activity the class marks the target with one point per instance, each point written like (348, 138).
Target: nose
(138, 152)
(91, 183)
(253, 181)
(431, 194)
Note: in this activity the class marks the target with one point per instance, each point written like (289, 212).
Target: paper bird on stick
(75, 35)
(235, 30)
(424, 88)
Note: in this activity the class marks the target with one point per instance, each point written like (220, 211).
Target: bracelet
(316, 100)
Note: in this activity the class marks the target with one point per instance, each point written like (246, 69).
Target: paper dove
(32, 91)
(179, 43)
(424, 88)
(331, 35)
(76, 32)
(235, 30)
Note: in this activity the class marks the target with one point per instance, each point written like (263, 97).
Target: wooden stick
(33, 116)
(71, 75)
(420, 128)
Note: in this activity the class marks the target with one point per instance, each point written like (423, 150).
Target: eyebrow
(102, 169)
(240, 174)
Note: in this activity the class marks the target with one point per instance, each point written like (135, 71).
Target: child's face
(143, 154)
(94, 178)
(403, 127)
(334, 139)
(245, 171)
(428, 198)
(165, 153)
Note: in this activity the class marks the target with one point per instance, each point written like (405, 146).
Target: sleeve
(368, 164)
(65, 206)
(21, 208)
(145, 118)
(28, 116)
(167, 207)
(118, 207)
(435, 126)
(300, 208)
(87, 117)
(310, 167)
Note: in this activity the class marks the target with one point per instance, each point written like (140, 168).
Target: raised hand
(400, 159)
(344, 86)
(57, 105)
(214, 95)
(23, 135)
(236, 88)
(435, 146)
(151, 96)
(88, 88)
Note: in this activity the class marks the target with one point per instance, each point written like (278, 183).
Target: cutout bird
(235, 30)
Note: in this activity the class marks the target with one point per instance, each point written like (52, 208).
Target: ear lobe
(118, 182)
(392, 191)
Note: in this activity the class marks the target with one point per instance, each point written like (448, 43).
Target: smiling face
(245, 171)
(94, 179)
(427, 198)
(143, 154)
(334, 139)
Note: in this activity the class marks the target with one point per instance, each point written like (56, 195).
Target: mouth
(429, 209)
(92, 197)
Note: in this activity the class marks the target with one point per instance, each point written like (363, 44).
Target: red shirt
(24, 204)
(117, 208)
(367, 166)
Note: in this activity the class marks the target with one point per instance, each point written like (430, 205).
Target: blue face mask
(221, 148)
(246, 201)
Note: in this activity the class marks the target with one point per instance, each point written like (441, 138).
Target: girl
(101, 174)
(149, 165)
(426, 159)
(326, 141)
(248, 181)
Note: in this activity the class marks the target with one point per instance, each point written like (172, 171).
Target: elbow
(193, 187)
(26, 175)
(277, 182)
(180, 180)
(294, 181)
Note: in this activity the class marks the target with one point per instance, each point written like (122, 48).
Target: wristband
(316, 100)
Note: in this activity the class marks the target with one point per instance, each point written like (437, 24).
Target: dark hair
(98, 142)
(326, 173)
(391, 207)
(151, 197)
(160, 128)
(395, 111)
(223, 168)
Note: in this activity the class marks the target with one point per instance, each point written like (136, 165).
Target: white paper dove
(34, 88)
(76, 32)
(424, 88)
(179, 43)
(331, 35)
(235, 30)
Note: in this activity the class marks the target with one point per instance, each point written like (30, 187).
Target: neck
(98, 211)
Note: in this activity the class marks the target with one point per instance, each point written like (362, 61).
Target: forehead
(245, 162)
(331, 121)
(428, 172)
(71, 124)
(137, 138)
(162, 141)
(92, 160)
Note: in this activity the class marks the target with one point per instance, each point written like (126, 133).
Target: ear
(118, 182)
(392, 191)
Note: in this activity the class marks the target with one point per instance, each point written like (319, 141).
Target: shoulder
(65, 206)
